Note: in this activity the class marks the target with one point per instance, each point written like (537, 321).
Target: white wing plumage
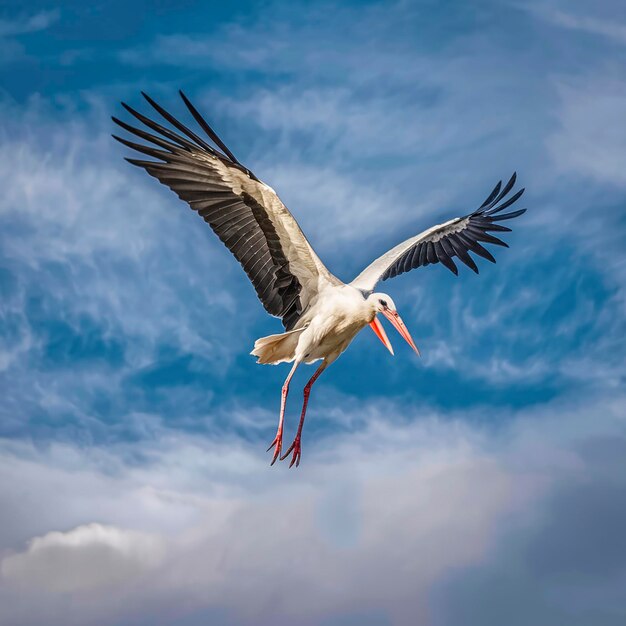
(455, 238)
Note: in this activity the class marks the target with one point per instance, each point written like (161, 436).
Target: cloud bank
(408, 523)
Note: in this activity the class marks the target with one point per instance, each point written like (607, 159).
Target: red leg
(278, 440)
(295, 446)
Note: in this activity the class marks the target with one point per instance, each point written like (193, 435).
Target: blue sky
(482, 483)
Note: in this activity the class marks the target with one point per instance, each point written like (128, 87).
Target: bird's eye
(383, 302)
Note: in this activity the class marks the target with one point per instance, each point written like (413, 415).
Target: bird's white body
(324, 331)
(340, 313)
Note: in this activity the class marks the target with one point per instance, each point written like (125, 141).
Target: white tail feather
(275, 349)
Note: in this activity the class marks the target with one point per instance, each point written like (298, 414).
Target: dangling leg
(278, 440)
(295, 446)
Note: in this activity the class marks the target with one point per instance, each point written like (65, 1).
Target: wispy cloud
(90, 277)
(590, 139)
(605, 27)
(10, 27)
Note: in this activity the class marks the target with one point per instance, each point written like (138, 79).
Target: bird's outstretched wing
(456, 238)
(245, 213)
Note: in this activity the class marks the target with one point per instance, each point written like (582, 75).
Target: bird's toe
(296, 448)
(277, 444)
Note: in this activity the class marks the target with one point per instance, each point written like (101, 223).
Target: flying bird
(321, 314)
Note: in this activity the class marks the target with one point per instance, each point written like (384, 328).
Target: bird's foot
(278, 442)
(297, 452)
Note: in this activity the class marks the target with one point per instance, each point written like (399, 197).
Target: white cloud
(83, 558)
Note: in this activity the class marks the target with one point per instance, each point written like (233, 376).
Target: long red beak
(377, 327)
(398, 324)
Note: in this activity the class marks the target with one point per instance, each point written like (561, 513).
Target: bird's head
(382, 303)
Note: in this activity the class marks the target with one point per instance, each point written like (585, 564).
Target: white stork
(320, 313)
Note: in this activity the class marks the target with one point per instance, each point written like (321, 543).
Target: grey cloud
(426, 521)
(583, 538)
(562, 564)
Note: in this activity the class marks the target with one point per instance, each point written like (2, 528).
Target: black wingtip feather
(139, 162)
(449, 263)
(180, 141)
(159, 141)
(483, 252)
(487, 238)
(166, 132)
(181, 127)
(505, 190)
(508, 216)
(207, 129)
(514, 198)
(129, 108)
(492, 195)
(148, 150)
